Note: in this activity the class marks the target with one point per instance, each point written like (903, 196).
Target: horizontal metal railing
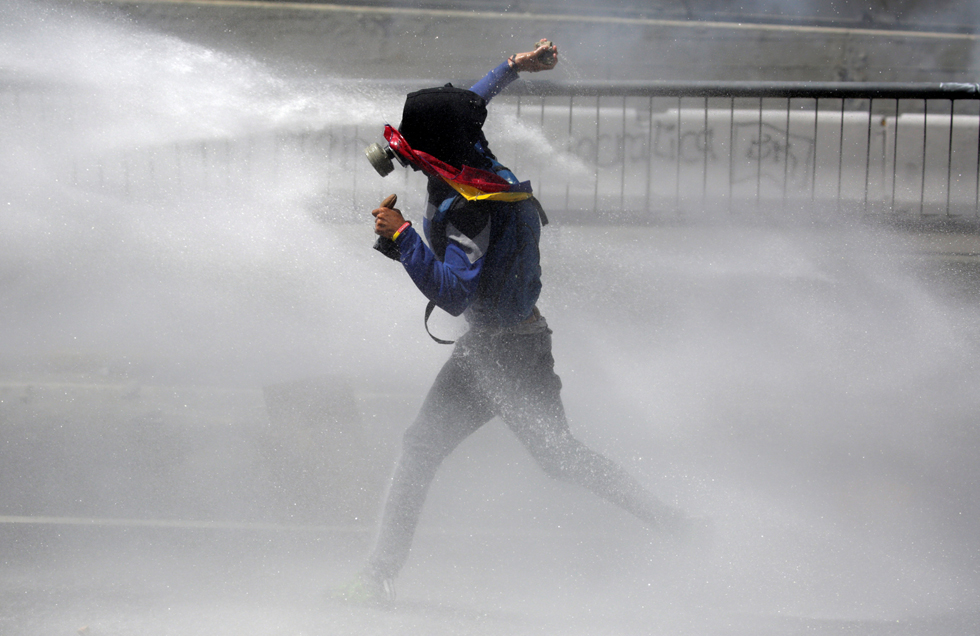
(906, 150)
(828, 90)
(628, 152)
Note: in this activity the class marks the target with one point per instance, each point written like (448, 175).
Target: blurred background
(205, 369)
(812, 40)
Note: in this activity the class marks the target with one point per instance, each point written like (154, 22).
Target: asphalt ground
(558, 563)
(141, 581)
(118, 580)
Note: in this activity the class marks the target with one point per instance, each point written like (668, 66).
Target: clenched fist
(387, 219)
(544, 57)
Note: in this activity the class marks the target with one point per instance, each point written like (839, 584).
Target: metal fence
(667, 150)
(610, 152)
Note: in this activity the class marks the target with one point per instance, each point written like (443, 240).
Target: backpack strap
(457, 202)
(541, 214)
(428, 312)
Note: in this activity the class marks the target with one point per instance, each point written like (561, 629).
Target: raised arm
(544, 57)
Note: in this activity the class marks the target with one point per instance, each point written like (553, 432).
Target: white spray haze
(803, 388)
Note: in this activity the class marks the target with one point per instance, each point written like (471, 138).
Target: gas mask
(380, 156)
(443, 123)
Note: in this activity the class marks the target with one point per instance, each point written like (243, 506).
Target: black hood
(447, 123)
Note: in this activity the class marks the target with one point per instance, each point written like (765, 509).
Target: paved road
(144, 582)
(812, 392)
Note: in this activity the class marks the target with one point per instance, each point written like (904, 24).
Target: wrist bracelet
(405, 226)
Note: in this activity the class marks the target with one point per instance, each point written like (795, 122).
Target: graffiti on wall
(761, 152)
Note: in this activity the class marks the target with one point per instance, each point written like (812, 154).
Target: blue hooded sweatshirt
(482, 257)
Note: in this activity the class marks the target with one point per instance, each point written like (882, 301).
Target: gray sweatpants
(510, 375)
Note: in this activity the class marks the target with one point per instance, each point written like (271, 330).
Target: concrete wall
(372, 42)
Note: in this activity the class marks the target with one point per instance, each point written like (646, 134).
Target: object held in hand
(385, 245)
(542, 58)
(548, 57)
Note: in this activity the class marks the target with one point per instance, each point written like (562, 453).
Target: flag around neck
(472, 183)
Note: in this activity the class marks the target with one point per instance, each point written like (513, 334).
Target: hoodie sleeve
(495, 81)
(452, 282)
